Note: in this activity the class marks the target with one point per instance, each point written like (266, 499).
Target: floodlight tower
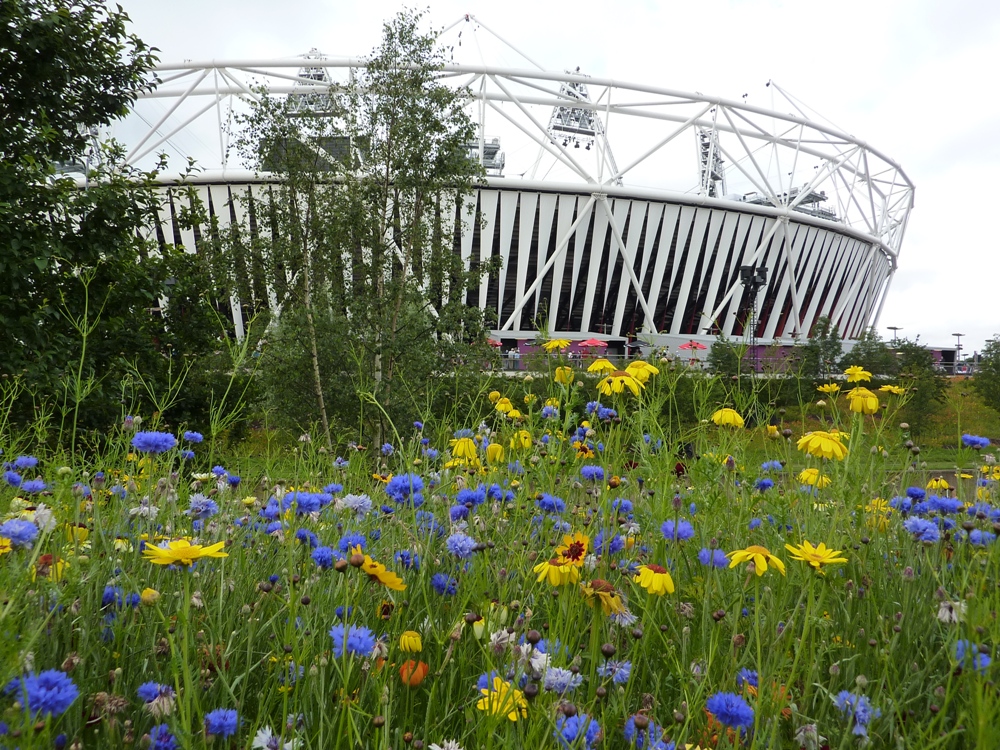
(312, 95)
(576, 126)
(712, 175)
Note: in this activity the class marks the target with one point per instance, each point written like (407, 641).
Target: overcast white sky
(915, 78)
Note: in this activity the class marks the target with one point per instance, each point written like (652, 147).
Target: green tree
(361, 247)
(871, 353)
(72, 261)
(822, 351)
(928, 387)
(986, 381)
(725, 356)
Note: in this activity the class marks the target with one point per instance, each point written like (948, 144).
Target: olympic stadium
(621, 211)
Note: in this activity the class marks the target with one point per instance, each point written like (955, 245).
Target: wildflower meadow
(560, 567)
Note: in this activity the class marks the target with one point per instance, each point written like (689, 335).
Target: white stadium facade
(621, 211)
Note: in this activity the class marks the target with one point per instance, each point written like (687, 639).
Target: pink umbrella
(494, 343)
(589, 343)
(692, 345)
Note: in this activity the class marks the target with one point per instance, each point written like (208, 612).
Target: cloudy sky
(916, 78)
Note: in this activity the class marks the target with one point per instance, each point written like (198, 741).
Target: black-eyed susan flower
(823, 445)
(642, 370)
(599, 590)
(555, 344)
(758, 556)
(410, 642)
(895, 390)
(557, 572)
(377, 572)
(502, 699)
(817, 556)
(862, 401)
(601, 365)
(464, 447)
(857, 374)
(938, 483)
(727, 417)
(617, 382)
(813, 478)
(494, 453)
(655, 579)
(182, 552)
(564, 375)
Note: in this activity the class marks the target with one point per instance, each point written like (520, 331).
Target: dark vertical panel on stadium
(696, 298)
(509, 290)
(835, 259)
(776, 271)
(472, 293)
(579, 297)
(663, 293)
(822, 249)
(456, 266)
(531, 267)
(729, 260)
(545, 288)
(604, 314)
(493, 288)
(175, 229)
(632, 298)
(678, 277)
(751, 239)
(564, 313)
(654, 252)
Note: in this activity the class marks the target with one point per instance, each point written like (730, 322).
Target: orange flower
(412, 673)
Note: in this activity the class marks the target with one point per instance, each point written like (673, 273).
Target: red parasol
(692, 345)
(494, 343)
(589, 343)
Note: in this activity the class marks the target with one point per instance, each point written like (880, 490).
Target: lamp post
(753, 278)
(894, 330)
(958, 351)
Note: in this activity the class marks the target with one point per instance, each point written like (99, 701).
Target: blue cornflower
(551, 503)
(569, 731)
(193, 437)
(112, 596)
(233, 481)
(360, 504)
(387, 449)
(444, 585)
(764, 484)
(431, 454)
(305, 502)
(49, 692)
(406, 488)
(354, 639)
(618, 671)
(222, 722)
(341, 463)
(219, 471)
(593, 406)
(606, 545)
(922, 529)
(858, 709)
(945, 505)
(469, 496)
(33, 486)
(24, 462)
(20, 532)
(150, 691)
(974, 441)
(485, 681)
(351, 539)
(746, 677)
(679, 531)
(755, 523)
(153, 442)
(418, 425)
(187, 455)
(461, 545)
(968, 654)
(515, 468)
(592, 473)
(549, 412)
(980, 538)
(323, 557)
(12, 478)
(621, 505)
(604, 413)
(202, 507)
(561, 681)
(305, 536)
(427, 525)
(915, 493)
(648, 738)
(458, 513)
(463, 433)
(342, 613)
(408, 560)
(161, 738)
(730, 709)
